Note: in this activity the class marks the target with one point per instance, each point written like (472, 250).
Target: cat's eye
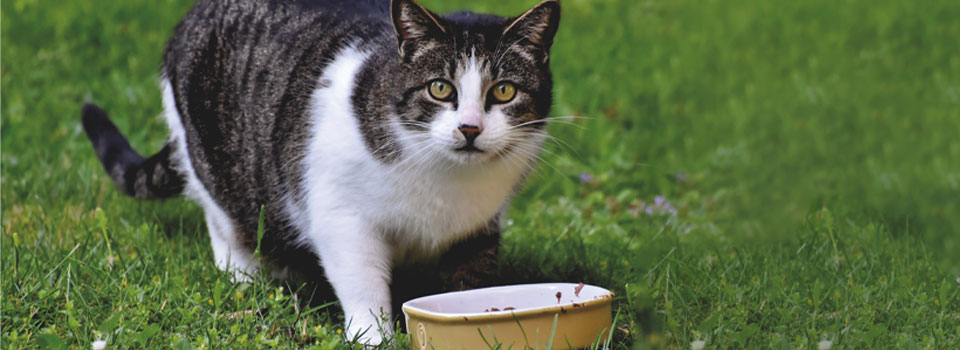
(503, 92)
(441, 90)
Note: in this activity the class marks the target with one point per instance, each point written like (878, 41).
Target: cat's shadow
(408, 282)
(176, 217)
(180, 218)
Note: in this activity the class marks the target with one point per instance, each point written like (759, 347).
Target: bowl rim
(604, 299)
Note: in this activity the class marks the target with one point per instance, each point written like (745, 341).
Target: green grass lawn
(806, 156)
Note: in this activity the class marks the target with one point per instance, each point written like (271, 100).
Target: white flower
(824, 345)
(99, 345)
(698, 345)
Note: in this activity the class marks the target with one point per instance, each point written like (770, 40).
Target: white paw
(239, 271)
(368, 330)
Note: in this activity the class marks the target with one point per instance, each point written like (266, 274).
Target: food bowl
(516, 316)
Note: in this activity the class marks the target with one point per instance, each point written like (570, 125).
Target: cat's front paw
(370, 337)
(369, 331)
(372, 341)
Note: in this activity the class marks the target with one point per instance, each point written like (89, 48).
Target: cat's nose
(470, 132)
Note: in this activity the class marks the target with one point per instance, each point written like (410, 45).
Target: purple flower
(585, 177)
(660, 206)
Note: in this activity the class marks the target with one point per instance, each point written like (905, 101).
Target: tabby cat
(367, 133)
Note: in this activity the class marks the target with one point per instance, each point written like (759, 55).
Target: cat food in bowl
(517, 316)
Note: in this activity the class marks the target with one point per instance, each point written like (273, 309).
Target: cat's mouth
(470, 154)
(469, 149)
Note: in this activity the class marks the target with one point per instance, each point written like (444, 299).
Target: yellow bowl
(518, 316)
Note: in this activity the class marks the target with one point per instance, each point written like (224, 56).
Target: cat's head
(475, 87)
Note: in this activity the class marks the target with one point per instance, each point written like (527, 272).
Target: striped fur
(146, 178)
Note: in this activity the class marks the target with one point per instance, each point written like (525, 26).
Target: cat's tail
(148, 178)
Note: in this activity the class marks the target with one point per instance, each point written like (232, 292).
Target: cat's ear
(535, 28)
(414, 25)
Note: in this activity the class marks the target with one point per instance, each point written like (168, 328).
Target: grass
(805, 153)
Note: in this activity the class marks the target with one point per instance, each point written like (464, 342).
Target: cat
(366, 133)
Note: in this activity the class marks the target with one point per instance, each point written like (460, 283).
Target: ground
(752, 174)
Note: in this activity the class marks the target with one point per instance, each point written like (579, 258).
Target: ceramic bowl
(513, 316)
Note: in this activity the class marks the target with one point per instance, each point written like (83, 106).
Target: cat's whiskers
(422, 162)
(552, 120)
(533, 157)
(497, 48)
(562, 144)
(516, 155)
(416, 123)
(536, 163)
(385, 145)
(526, 159)
(547, 137)
(415, 158)
(402, 138)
